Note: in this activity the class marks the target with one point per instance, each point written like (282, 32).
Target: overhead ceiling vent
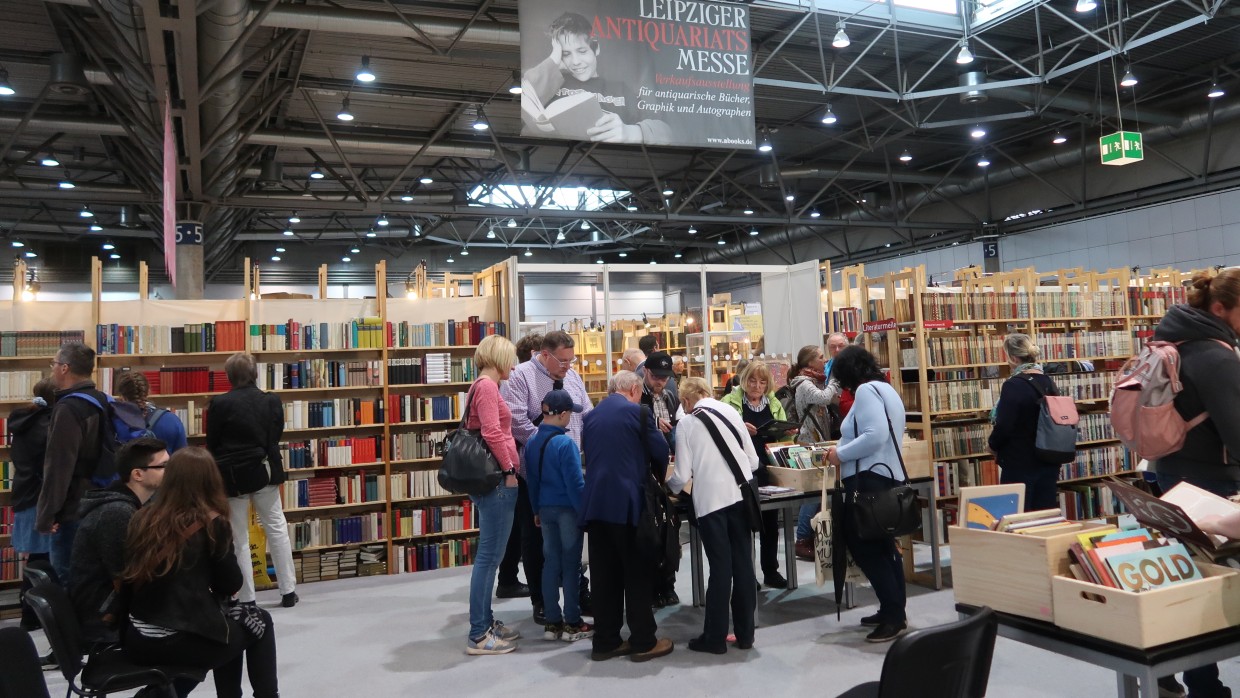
(129, 217)
(768, 176)
(272, 173)
(972, 78)
(66, 77)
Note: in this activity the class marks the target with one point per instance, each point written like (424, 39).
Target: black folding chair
(23, 675)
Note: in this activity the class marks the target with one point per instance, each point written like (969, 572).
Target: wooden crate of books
(1149, 618)
(803, 479)
(1011, 572)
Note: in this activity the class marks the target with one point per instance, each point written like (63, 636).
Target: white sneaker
(490, 644)
(504, 632)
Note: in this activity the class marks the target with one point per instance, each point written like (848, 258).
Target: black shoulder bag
(468, 466)
(658, 539)
(888, 513)
(753, 510)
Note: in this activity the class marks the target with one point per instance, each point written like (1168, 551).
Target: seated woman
(181, 571)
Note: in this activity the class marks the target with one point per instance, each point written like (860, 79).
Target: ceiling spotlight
(49, 160)
(652, 262)
(108, 245)
(790, 197)
(678, 254)
(383, 221)
(978, 132)
(983, 161)
(355, 250)
(425, 180)
(66, 184)
(887, 245)
(280, 249)
(1059, 138)
(965, 56)
(512, 222)
(86, 213)
(17, 243)
(599, 260)
(464, 251)
(585, 225)
(289, 233)
(6, 90)
(528, 253)
(753, 232)
(480, 121)
(275, 258)
(841, 37)
(96, 228)
(1086, 5)
(721, 241)
(906, 156)
(1215, 92)
(111, 256)
(371, 233)
(632, 208)
(406, 197)
(491, 234)
(765, 146)
(692, 230)
(515, 87)
(344, 114)
(814, 213)
(624, 254)
(829, 117)
(364, 73)
(316, 173)
(294, 218)
(668, 192)
(30, 254)
(559, 236)
(1129, 80)
(346, 258)
(748, 211)
(450, 260)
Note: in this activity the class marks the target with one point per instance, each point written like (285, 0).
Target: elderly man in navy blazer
(619, 457)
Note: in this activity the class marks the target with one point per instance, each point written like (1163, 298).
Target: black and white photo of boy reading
(565, 95)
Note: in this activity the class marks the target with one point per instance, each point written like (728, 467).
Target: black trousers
(879, 559)
(622, 587)
(727, 541)
(768, 537)
(1041, 485)
(524, 545)
(225, 660)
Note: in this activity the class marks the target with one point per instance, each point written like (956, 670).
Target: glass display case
(715, 355)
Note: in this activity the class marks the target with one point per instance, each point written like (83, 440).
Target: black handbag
(749, 496)
(468, 466)
(658, 534)
(888, 513)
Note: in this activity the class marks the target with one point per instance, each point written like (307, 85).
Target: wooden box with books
(799, 467)
(1011, 572)
(803, 479)
(1152, 617)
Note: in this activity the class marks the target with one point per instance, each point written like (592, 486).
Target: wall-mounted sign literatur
(659, 72)
(879, 325)
(938, 324)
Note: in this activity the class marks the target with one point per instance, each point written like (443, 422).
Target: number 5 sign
(189, 233)
(990, 249)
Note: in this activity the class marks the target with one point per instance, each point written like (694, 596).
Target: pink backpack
(1143, 410)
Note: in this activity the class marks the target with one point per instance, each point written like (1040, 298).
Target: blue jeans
(561, 561)
(495, 512)
(62, 550)
(804, 531)
(1203, 682)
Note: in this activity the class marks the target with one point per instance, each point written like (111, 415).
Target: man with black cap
(667, 411)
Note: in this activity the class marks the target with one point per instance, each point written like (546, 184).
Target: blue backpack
(125, 422)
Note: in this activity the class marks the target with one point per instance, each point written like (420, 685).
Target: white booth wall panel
(562, 304)
(791, 310)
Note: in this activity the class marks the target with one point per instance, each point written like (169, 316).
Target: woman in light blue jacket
(869, 461)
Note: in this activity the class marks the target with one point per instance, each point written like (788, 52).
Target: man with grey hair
(72, 463)
(631, 359)
(244, 427)
(620, 455)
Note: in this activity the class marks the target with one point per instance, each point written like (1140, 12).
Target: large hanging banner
(659, 72)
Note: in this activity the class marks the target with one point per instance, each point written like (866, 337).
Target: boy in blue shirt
(554, 477)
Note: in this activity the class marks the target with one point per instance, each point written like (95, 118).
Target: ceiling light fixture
(790, 197)
(1059, 138)
(585, 225)
(294, 218)
(6, 90)
(425, 180)
(753, 232)
(678, 254)
(765, 146)
(965, 56)
(692, 230)
(668, 192)
(364, 73)
(632, 208)
(978, 132)
(383, 221)
(289, 233)
(1129, 80)
(814, 213)
(515, 87)
(721, 241)
(280, 250)
(528, 253)
(480, 121)
(464, 251)
(624, 254)
(491, 234)
(17, 243)
(316, 173)
(906, 156)
(355, 249)
(49, 160)
(346, 258)
(406, 197)
(275, 257)
(829, 117)
(512, 222)
(108, 245)
(371, 233)
(66, 184)
(450, 260)
(652, 262)
(86, 213)
(599, 260)
(344, 114)
(559, 236)
(1086, 5)
(1215, 91)
(841, 39)
(983, 161)
(748, 211)
(114, 256)
(96, 228)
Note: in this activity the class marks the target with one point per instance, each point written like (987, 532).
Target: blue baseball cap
(558, 401)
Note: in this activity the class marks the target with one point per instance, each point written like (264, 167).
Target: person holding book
(572, 68)
(28, 425)
(754, 400)
(835, 411)
(488, 412)
(1206, 330)
(244, 428)
(180, 570)
(1015, 419)
(553, 470)
(869, 459)
(132, 387)
(718, 504)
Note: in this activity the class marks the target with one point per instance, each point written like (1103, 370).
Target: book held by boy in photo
(569, 116)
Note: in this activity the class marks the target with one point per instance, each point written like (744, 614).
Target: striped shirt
(524, 391)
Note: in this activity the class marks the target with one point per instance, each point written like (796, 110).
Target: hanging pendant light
(841, 39)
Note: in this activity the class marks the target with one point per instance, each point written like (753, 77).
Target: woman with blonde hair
(1015, 419)
(485, 410)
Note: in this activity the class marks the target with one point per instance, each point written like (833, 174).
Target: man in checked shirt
(527, 385)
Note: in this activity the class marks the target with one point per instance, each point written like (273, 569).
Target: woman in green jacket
(755, 400)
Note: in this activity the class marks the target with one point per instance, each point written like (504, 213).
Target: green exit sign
(1121, 148)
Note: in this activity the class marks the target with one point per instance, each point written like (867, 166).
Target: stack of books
(1134, 560)
(1039, 521)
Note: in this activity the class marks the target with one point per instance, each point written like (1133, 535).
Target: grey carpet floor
(404, 636)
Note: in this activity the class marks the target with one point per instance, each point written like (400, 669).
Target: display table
(1136, 670)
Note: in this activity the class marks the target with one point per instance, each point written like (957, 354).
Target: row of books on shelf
(1096, 461)
(433, 556)
(171, 380)
(10, 564)
(335, 564)
(337, 412)
(316, 532)
(331, 452)
(358, 333)
(1155, 300)
(1084, 345)
(6, 467)
(950, 476)
(999, 305)
(1132, 560)
(319, 373)
(958, 350)
(6, 520)
(960, 440)
(447, 518)
(324, 490)
(418, 444)
(1081, 501)
(466, 332)
(15, 385)
(224, 335)
(417, 408)
(416, 484)
(978, 394)
(36, 342)
(1070, 304)
(431, 369)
